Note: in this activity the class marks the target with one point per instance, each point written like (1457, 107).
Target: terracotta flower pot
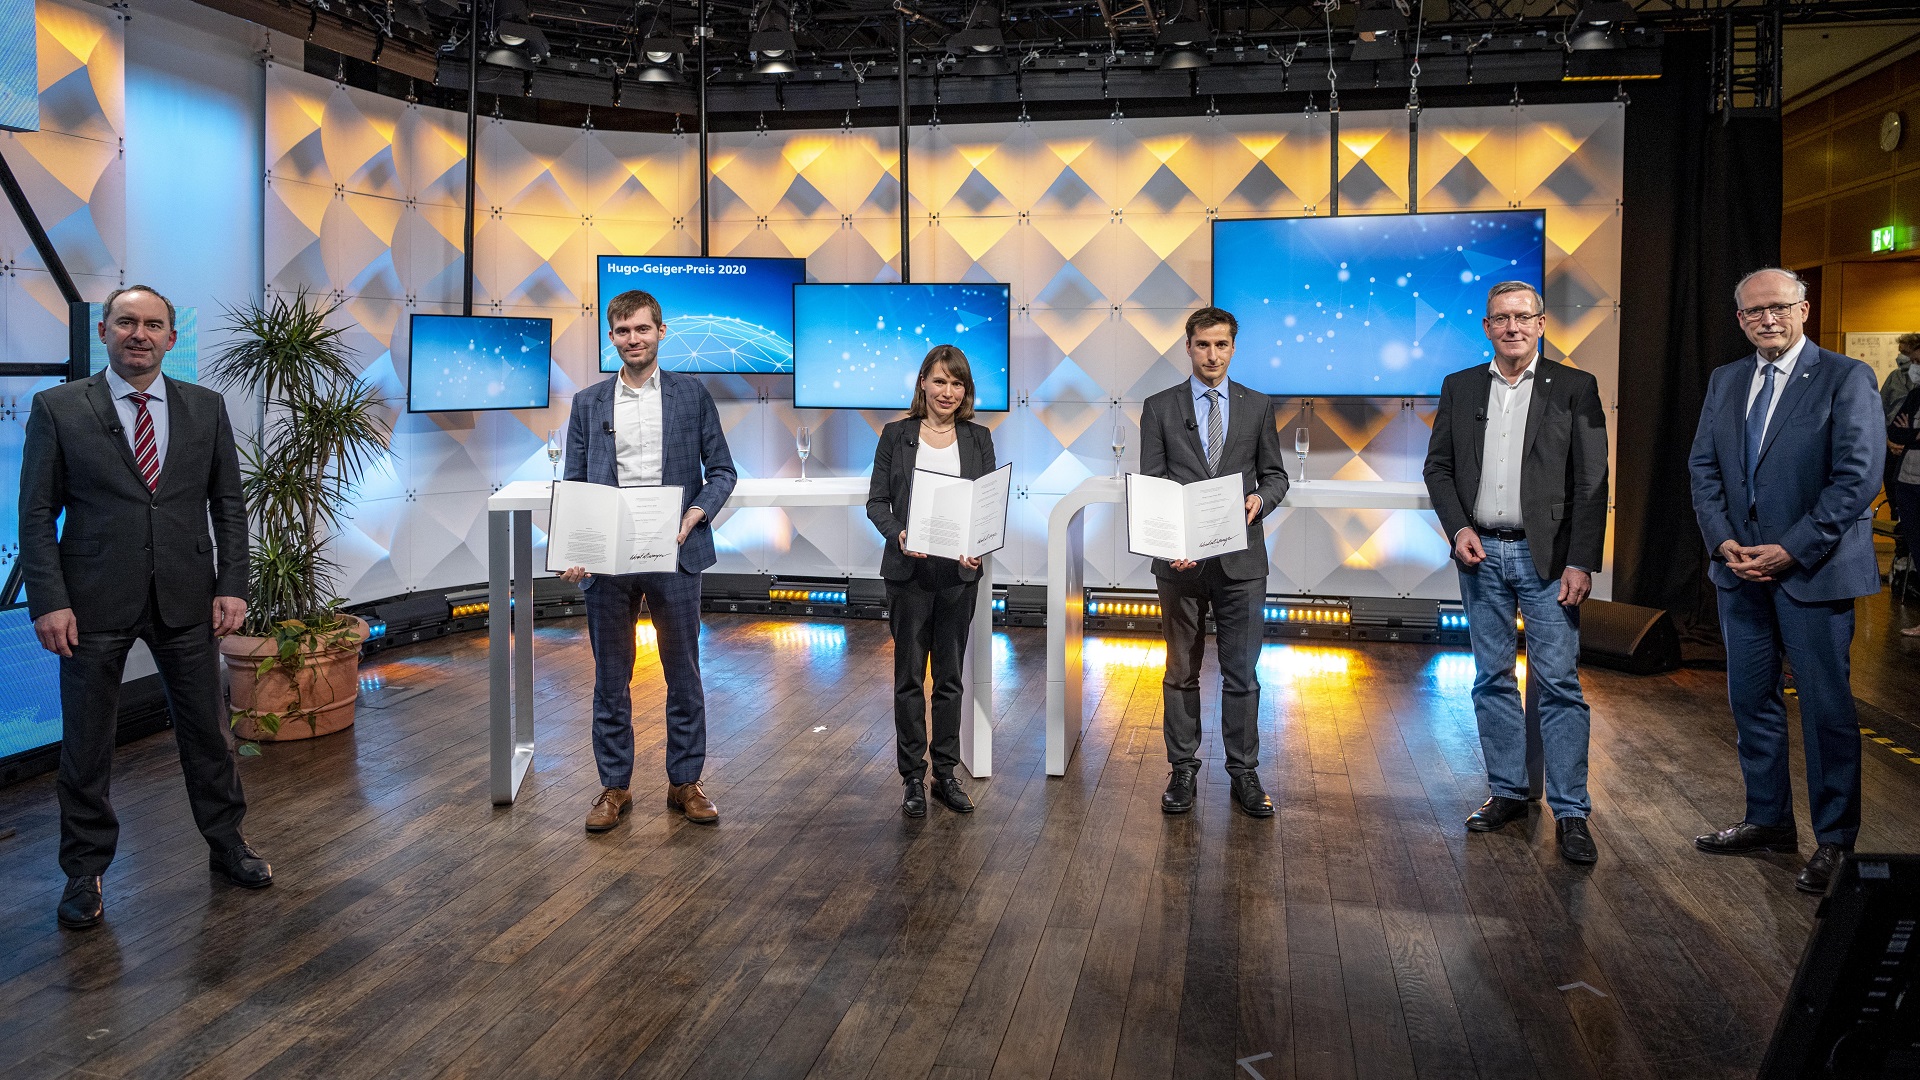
(328, 683)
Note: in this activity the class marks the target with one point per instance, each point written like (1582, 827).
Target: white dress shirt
(1785, 364)
(637, 431)
(127, 411)
(940, 459)
(1497, 504)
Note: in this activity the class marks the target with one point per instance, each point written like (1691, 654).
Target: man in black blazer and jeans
(1517, 470)
(140, 464)
(1209, 426)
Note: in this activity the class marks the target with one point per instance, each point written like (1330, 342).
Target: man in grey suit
(1785, 465)
(1209, 426)
(1517, 471)
(139, 464)
(646, 427)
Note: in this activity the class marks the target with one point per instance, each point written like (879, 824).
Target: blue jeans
(613, 612)
(1507, 581)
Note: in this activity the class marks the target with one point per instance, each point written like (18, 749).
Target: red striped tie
(146, 451)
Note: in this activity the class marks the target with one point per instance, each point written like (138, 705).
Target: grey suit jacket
(118, 536)
(693, 452)
(1563, 468)
(1170, 448)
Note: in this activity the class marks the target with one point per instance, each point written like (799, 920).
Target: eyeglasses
(1501, 322)
(1755, 314)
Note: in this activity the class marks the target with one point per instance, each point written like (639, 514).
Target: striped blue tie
(1757, 428)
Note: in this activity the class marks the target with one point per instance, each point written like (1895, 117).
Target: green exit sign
(1883, 238)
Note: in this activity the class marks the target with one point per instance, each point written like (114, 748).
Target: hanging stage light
(1184, 41)
(1597, 25)
(981, 47)
(773, 44)
(1381, 26)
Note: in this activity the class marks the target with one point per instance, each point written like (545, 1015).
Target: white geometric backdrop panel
(1102, 230)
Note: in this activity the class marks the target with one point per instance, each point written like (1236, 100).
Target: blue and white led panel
(460, 363)
(19, 67)
(30, 696)
(731, 316)
(1373, 305)
(182, 362)
(860, 346)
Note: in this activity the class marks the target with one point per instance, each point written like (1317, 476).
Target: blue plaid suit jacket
(694, 453)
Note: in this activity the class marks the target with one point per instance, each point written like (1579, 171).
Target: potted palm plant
(294, 667)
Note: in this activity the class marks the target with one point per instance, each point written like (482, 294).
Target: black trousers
(1238, 626)
(931, 614)
(189, 663)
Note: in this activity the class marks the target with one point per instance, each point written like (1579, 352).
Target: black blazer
(891, 487)
(1171, 448)
(118, 535)
(1563, 475)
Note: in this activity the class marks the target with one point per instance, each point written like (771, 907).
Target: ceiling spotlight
(1184, 41)
(508, 58)
(1604, 13)
(526, 38)
(981, 46)
(656, 73)
(773, 44)
(1597, 26)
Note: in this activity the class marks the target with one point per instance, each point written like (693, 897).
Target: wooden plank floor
(1067, 929)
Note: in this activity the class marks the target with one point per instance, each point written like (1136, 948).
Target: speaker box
(1627, 637)
(1853, 1011)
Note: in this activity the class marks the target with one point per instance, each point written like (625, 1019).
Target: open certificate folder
(1198, 521)
(956, 518)
(614, 530)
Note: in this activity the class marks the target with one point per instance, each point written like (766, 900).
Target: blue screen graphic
(860, 346)
(723, 315)
(19, 68)
(477, 362)
(1371, 305)
(182, 362)
(30, 701)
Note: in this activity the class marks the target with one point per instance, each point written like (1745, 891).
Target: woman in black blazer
(931, 598)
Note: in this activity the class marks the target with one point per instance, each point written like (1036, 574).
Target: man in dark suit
(1517, 470)
(140, 464)
(648, 427)
(1209, 426)
(1785, 466)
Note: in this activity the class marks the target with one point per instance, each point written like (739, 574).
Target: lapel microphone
(1480, 417)
(1192, 426)
(607, 426)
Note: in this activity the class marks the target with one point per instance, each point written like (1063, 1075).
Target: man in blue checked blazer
(647, 427)
(1786, 464)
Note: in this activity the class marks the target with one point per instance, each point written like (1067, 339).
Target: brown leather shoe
(608, 808)
(693, 802)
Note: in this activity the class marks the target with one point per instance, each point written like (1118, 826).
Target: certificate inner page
(1216, 517)
(939, 514)
(1156, 512)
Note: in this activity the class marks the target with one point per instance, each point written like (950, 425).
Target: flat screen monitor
(460, 363)
(89, 353)
(1383, 305)
(30, 701)
(860, 346)
(19, 67)
(723, 316)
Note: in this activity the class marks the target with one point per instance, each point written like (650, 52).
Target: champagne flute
(803, 445)
(1300, 448)
(1119, 444)
(553, 450)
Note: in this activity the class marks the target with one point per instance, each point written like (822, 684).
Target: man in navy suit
(1785, 465)
(648, 427)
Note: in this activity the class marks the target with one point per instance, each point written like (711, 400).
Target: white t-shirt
(941, 460)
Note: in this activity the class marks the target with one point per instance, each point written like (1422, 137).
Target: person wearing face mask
(930, 598)
(1893, 393)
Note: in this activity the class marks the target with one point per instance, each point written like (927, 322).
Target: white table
(510, 573)
(1067, 571)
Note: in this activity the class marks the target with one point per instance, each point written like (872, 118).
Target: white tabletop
(753, 491)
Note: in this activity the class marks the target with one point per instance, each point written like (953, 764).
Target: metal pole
(704, 217)
(906, 267)
(473, 145)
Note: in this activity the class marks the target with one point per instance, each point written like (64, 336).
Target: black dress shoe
(1496, 812)
(915, 804)
(1819, 869)
(1250, 797)
(1747, 838)
(80, 906)
(243, 866)
(952, 795)
(1576, 843)
(1178, 798)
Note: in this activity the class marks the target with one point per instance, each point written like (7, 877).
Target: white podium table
(511, 571)
(1067, 571)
